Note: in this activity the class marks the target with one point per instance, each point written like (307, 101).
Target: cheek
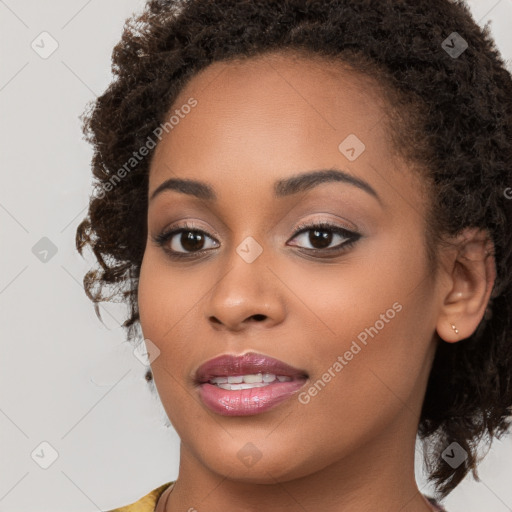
(152, 295)
(371, 360)
(374, 360)
(166, 295)
(161, 306)
(170, 302)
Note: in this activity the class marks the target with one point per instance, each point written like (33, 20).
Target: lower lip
(247, 402)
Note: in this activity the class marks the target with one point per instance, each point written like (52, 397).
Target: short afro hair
(451, 117)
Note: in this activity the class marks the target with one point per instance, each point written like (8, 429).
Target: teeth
(219, 380)
(233, 387)
(257, 380)
(253, 379)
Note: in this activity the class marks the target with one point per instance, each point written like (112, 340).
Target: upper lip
(245, 364)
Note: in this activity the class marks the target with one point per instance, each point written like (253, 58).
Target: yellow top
(146, 503)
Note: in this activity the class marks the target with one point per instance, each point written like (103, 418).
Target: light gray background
(67, 379)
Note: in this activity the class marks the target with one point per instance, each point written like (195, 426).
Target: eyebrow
(282, 188)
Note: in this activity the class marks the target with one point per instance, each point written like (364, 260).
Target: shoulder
(145, 504)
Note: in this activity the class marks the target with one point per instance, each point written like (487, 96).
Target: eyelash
(352, 237)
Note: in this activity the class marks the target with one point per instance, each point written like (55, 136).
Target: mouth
(249, 381)
(248, 384)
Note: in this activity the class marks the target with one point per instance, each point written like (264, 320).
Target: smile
(258, 380)
(247, 384)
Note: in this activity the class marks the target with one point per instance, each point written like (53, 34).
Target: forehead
(260, 119)
(288, 73)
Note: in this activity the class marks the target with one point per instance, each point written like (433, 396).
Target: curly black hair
(451, 118)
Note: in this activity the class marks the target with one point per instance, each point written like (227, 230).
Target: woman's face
(353, 310)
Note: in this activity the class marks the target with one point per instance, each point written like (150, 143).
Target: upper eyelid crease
(282, 188)
(351, 236)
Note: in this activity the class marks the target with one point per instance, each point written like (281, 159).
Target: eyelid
(351, 237)
(326, 222)
(192, 225)
(187, 224)
(180, 226)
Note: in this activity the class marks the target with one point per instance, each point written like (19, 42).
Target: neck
(378, 475)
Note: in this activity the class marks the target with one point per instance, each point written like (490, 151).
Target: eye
(191, 240)
(322, 235)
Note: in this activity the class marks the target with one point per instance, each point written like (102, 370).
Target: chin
(266, 466)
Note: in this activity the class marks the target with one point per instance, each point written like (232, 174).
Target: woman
(306, 206)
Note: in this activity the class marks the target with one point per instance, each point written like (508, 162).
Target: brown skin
(352, 446)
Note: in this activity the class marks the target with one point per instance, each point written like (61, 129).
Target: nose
(246, 294)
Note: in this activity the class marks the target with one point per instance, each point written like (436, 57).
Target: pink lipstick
(247, 384)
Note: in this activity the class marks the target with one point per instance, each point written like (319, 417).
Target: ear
(469, 275)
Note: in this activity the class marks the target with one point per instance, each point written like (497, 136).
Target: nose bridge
(246, 289)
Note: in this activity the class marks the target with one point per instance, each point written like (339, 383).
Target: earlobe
(471, 274)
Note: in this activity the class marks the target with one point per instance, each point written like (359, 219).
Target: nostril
(258, 317)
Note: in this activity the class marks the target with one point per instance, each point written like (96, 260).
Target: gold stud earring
(455, 329)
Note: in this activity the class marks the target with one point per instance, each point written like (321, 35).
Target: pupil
(191, 240)
(324, 238)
